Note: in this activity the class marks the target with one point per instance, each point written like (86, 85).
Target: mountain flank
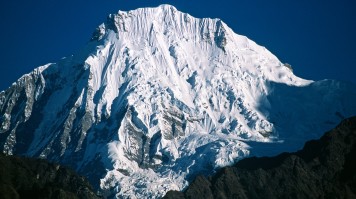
(158, 97)
(324, 168)
(22, 177)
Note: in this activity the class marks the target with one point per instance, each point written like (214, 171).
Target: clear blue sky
(318, 38)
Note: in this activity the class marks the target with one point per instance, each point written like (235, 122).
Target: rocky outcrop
(324, 168)
(158, 97)
(35, 178)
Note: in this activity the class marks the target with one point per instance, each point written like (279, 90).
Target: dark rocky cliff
(34, 178)
(324, 168)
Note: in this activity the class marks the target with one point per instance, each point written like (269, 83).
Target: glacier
(157, 97)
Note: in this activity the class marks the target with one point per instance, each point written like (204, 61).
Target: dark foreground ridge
(324, 168)
(34, 178)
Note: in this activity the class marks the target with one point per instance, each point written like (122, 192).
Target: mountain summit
(158, 97)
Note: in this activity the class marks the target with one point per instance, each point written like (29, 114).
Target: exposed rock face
(158, 97)
(35, 178)
(324, 168)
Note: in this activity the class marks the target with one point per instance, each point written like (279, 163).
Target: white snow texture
(158, 97)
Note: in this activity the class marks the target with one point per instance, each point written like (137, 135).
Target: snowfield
(158, 97)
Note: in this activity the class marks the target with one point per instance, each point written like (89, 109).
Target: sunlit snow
(158, 97)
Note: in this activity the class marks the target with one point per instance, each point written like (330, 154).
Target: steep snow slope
(324, 168)
(158, 97)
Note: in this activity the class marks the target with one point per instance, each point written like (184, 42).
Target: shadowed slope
(34, 178)
(322, 169)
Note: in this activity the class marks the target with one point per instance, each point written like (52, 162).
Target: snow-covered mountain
(158, 97)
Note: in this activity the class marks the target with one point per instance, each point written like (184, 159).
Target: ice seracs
(158, 97)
